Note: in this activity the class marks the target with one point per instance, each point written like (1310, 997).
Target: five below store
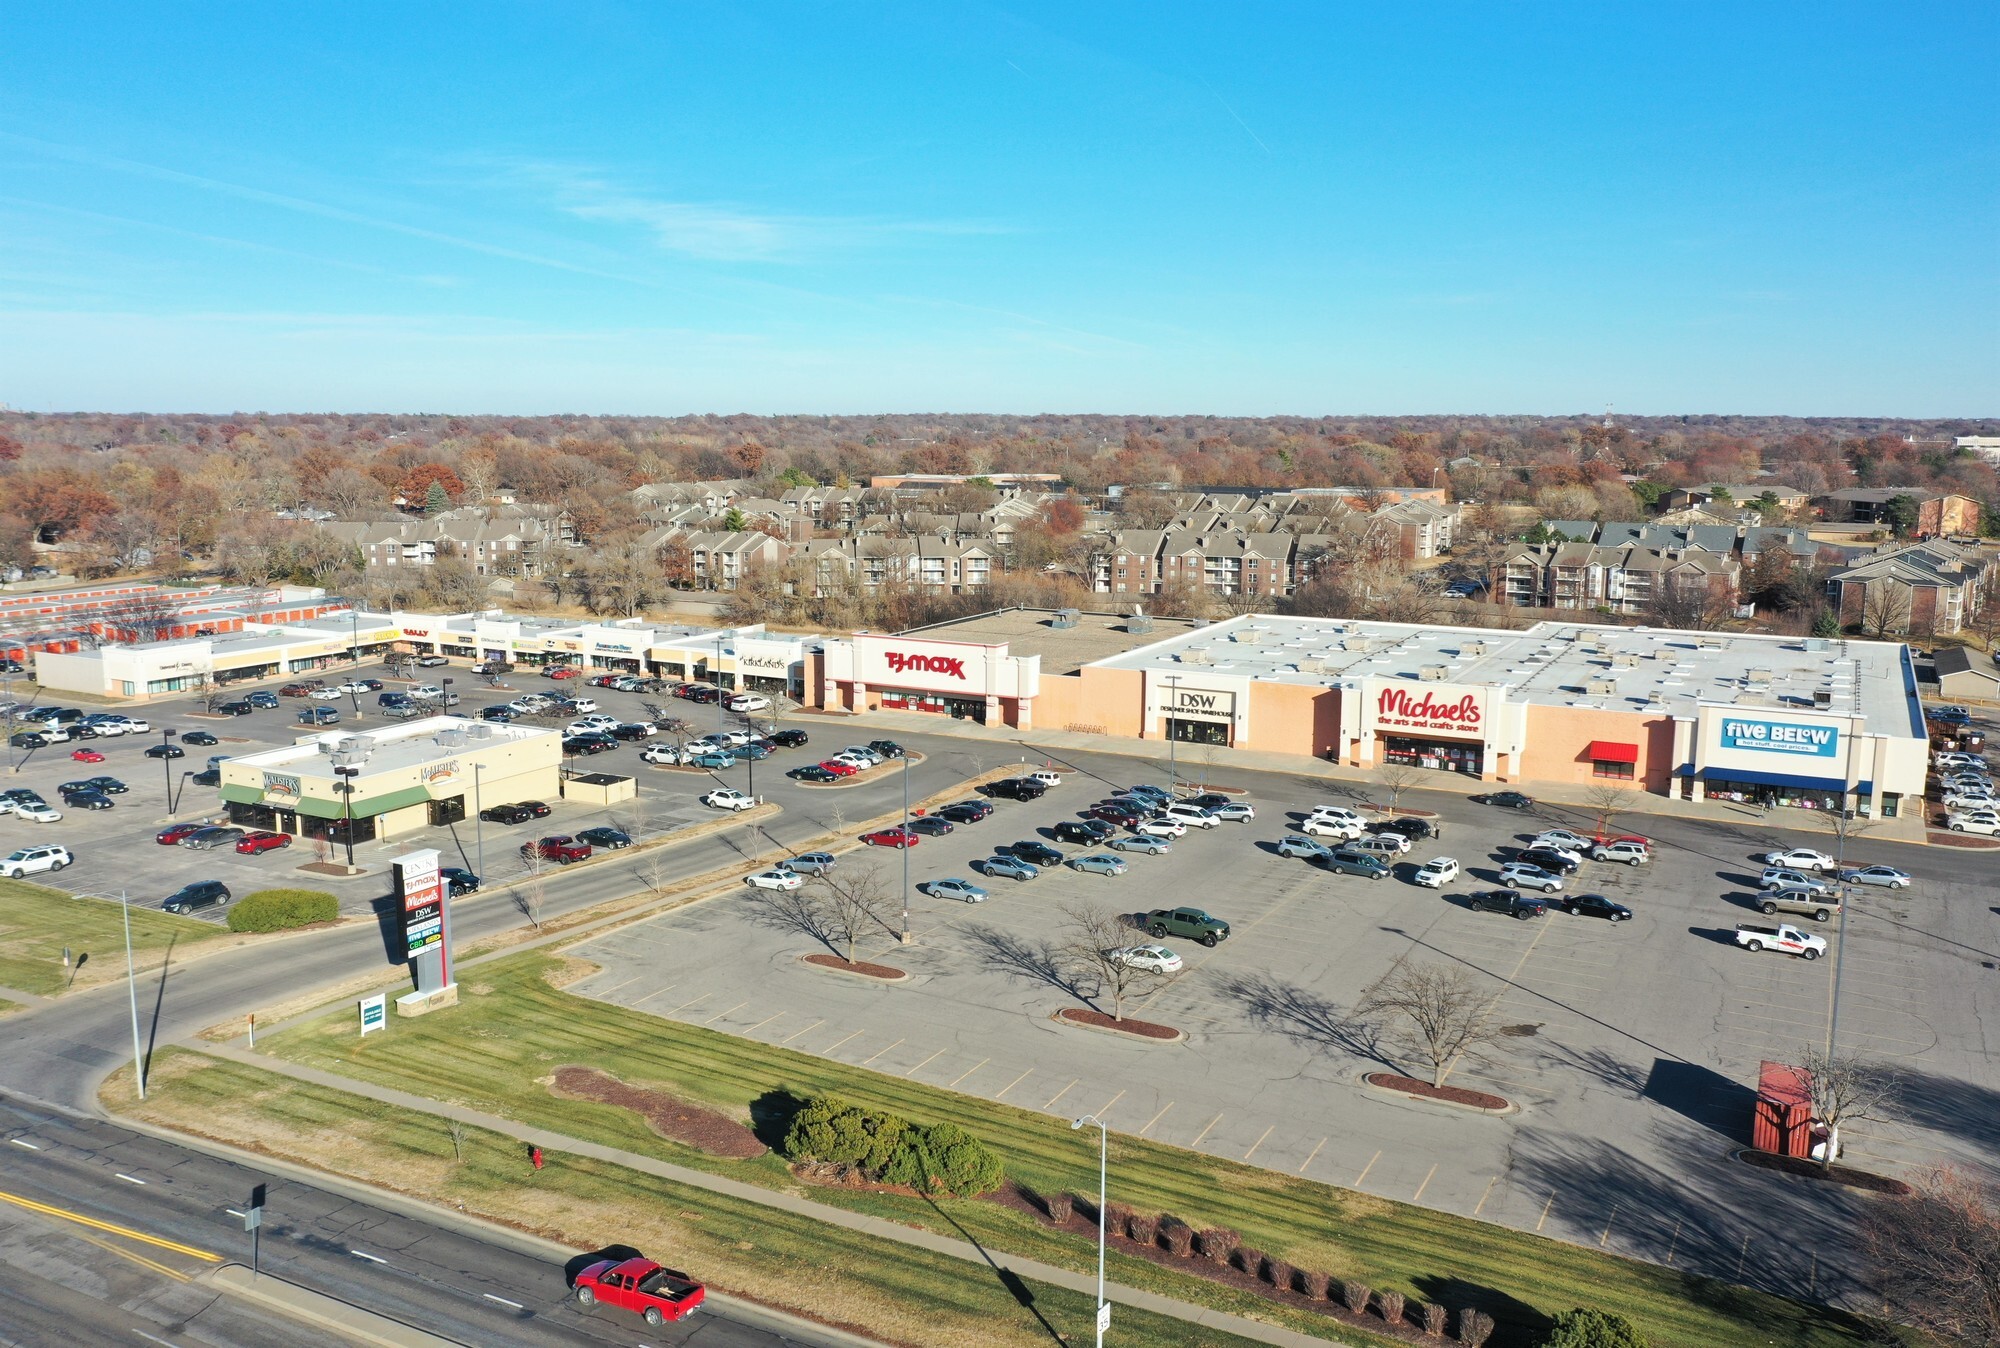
(1772, 721)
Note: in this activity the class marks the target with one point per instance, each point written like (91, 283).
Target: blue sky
(1231, 208)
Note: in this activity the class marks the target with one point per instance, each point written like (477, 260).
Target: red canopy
(1607, 751)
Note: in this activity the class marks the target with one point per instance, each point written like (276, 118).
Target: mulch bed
(1143, 1029)
(673, 1118)
(1457, 1095)
(1939, 837)
(858, 967)
(1840, 1174)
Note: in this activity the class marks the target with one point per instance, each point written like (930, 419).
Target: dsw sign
(900, 663)
(1395, 705)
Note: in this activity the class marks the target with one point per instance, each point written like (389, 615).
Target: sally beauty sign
(1780, 737)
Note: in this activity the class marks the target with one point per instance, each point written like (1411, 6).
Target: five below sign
(1395, 706)
(1781, 737)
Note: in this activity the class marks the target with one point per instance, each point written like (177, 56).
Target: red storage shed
(1783, 1123)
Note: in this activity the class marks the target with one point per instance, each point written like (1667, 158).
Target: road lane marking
(1309, 1156)
(363, 1254)
(796, 1033)
(1259, 1142)
(1545, 1212)
(1156, 1118)
(968, 1072)
(1365, 1169)
(1061, 1093)
(1015, 1082)
(19, 1143)
(50, 1211)
(720, 1014)
(503, 1301)
(615, 986)
(925, 1063)
(131, 1179)
(1418, 1195)
(877, 1053)
(1674, 1242)
(1608, 1219)
(139, 1259)
(828, 1051)
(1488, 1194)
(1204, 1132)
(234, 1213)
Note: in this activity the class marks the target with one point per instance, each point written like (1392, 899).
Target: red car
(254, 843)
(86, 756)
(840, 769)
(564, 672)
(891, 837)
(295, 690)
(1114, 814)
(659, 1294)
(561, 849)
(173, 833)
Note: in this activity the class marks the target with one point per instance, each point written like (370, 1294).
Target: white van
(1049, 779)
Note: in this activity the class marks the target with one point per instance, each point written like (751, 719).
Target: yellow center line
(1488, 1194)
(91, 1222)
(925, 1063)
(969, 1071)
(141, 1260)
(1015, 1082)
(1259, 1142)
(877, 1053)
(1309, 1156)
(1060, 1094)
(1156, 1118)
(796, 1033)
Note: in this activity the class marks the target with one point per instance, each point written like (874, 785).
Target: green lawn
(513, 1028)
(893, 1291)
(36, 923)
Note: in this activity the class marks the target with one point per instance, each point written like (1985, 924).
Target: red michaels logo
(1399, 704)
(925, 664)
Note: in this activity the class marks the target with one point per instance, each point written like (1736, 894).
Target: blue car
(1008, 868)
(1157, 793)
(715, 762)
(751, 751)
(1292, 845)
(1098, 864)
(1139, 842)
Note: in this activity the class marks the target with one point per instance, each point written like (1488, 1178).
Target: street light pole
(167, 734)
(346, 784)
(1103, 1154)
(132, 990)
(1173, 771)
(478, 824)
(906, 849)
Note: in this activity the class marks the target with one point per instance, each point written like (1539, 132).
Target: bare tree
(1845, 1090)
(1092, 946)
(1609, 799)
(1937, 1256)
(1396, 778)
(532, 894)
(1439, 1006)
(835, 910)
(1885, 609)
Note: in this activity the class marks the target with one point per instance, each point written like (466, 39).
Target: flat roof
(1663, 670)
(408, 744)
(1064, 650)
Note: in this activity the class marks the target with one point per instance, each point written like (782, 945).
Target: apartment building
(940, 565)
(1939, 514)
(1921, 589)
(1629, 580)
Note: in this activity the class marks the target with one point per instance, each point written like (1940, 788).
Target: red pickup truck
(659, 1294)
(561, 849)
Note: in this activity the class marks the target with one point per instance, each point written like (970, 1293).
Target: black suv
(789, 739)
(1088, 831)
(239, 708)
(1414, 829)
(1548, 859)
(1037, 853)
(506, 814)
(1018, 788)
(1506, 901)
(966, 811)
(887, 748)
(200, 894)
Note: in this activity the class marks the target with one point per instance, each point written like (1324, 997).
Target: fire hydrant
(535, 1155)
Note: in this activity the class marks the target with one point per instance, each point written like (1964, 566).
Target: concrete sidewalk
(1194, 763)
(556, 1143)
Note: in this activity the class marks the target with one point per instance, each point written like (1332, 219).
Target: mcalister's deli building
(1786, 722)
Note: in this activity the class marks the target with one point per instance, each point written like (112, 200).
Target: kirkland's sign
(1779, 737)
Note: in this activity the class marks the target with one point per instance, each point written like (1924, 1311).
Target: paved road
(68, 1282)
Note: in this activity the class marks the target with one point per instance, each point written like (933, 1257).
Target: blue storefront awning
(1750, 778)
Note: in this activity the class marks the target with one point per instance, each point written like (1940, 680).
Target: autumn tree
(417, 483)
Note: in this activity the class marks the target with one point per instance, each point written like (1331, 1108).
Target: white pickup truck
(1782, 937)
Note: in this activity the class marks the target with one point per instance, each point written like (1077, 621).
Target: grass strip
(874, 1286)
(37, 923)
(514, 1026)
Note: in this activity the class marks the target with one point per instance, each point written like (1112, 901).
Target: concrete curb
(317, 1308)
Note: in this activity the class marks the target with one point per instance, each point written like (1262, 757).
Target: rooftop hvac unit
(1250, 636)
(1434, 673)
(1600, 687)
(1195, 655)
(1471, 648)
(1708, 643)
(1311, 664)
(1624, 660)
(1822, 697)
(1757, 677)
(1815, 643)
(1066, 618)
(451, 739)
(1139, 622)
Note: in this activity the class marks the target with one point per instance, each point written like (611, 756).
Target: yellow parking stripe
(95, 1225)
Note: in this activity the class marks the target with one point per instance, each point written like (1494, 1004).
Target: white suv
(28, 860)
(1521, 875)
(1194, 816)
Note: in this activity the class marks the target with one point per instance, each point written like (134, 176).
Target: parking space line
(1156, 1118)
(1258, 1143)
(762, 1023)
(1015, 1082)
(1061, 1093)
(967, 1072)
(1545, 1212)
(615, 986)
(720, 1014)
(1486, 1195)
(1204, 1132)
(1309, 1155)
(685, 1005)
(1365, 1169)
(1418, 1196)
(925, 1063)
(827, 1052)
(656, 992)
(808, 1029)
(1105, 1108)
(877, 1053)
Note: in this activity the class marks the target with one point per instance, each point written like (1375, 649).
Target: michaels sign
(1780, 737)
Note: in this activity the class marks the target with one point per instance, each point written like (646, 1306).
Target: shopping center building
(1788, 721)
(391, 781)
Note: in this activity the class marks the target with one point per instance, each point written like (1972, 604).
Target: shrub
(1313, 1286)
(1177, 1236)
(1217, 1243)
(955, 1161)
(1116, 1215)
(1434, 1318)
(282, 909)
(1356, 1296)
(1391, 1306)
(1058, 1206)
(1474, 1327)
(891, 1150)
(1279, 1274)
(1141, 1228)
(1250, 1261)
(1583, 1328)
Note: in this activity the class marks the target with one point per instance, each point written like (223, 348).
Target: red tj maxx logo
(1397, 703)
(926, 664)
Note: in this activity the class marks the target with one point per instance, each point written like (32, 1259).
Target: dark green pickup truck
(1189, 922)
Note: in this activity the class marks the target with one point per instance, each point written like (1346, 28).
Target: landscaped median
(526, 1027)
(885, 1289)
(37, 924)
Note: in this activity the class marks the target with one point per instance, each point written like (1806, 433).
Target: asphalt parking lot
(1631, 1048)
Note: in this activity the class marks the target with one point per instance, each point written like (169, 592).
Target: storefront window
(336, 830)
(1198, 732)
(251, 814)
(1757, 793)
(1621, 772)
(1437, 755)
(447, 811)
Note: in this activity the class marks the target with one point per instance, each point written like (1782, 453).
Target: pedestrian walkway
(1027, 1269)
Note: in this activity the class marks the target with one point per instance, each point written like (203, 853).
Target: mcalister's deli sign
(1442, 707)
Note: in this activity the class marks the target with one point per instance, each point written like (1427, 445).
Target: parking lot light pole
(478, 824)
(906, 849)
(167, 734)
(1173, 771)
(346, 789)
(1103, 1153)
(131, 988)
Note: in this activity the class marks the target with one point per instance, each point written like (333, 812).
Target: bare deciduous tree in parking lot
(1088, 947)
(532, 894)
(1937, 1256)
(1845, 1090)
(1396, 778)
(1608, 800)
(1438, 1006)
(837, 911)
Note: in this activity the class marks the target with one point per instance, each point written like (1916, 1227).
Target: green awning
(329, 809)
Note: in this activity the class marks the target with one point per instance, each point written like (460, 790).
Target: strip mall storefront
(959, 679)
(1796, 760)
